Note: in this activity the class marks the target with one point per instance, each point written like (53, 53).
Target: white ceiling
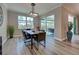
(40, 8)
(74, 7)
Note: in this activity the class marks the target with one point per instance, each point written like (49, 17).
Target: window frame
(26, 23)
(21, 21)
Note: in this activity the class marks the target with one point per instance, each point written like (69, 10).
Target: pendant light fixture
(33, 13)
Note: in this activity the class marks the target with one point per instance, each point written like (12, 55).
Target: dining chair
(41, 37)
(26, 37)
(42, 30)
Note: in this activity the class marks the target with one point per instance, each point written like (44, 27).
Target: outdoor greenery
(47, 23)
(70, 26)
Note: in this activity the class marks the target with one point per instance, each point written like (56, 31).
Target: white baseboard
(4, 41)
(17, 35)
(60, 39)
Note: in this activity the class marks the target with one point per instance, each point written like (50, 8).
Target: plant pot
(69, 35)
(10, 31)
(11, 36)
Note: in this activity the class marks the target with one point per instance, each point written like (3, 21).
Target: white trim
(17, 35)
(5, 5)
(59, 5)
(44, 15)
(3, 42)
(59, 39)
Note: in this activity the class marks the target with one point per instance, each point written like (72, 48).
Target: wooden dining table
(32, 33)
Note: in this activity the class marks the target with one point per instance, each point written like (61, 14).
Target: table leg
(31, 43)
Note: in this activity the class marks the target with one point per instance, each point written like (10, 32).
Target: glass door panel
(47, 24)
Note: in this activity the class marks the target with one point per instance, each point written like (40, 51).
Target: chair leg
(24, 40)
(37, 45)
(44, 43)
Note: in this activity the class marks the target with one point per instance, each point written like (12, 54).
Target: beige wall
(77, 24)
(64, 24)
(13, 20)
(58, 22)
(3, 28)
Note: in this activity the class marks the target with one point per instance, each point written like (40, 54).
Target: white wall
(3, 28)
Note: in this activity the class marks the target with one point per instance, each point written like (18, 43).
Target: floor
(16, 46)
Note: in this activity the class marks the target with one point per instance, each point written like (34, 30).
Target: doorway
(72, 19)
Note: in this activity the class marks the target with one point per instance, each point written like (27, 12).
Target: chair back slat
(27, 36)
(42, 36)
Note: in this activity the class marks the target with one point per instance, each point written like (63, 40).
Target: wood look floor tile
(16, 46)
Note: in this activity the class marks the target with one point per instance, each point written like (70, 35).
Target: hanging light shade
(32, 13)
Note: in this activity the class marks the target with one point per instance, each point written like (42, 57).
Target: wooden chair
(41, 37)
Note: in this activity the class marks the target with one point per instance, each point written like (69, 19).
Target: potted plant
(69, 33)
(10, 31)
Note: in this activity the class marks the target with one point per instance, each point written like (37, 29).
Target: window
(24, 22)
(30, 22)
(21, 22)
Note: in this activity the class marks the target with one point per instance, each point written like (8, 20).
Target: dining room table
(32, 33)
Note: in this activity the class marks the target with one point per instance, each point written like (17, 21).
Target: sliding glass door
(43, 24)
(47, 24)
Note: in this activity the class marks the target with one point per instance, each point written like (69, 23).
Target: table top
(31, 32)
